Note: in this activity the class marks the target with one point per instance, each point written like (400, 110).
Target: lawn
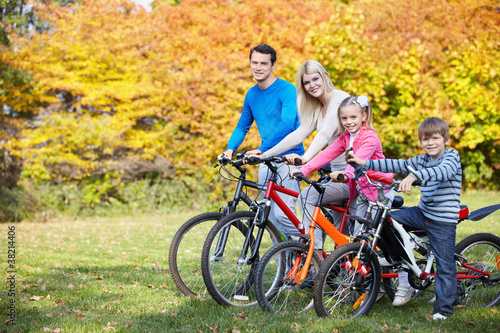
(107, 275)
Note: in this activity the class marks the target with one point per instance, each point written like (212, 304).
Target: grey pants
(277, 217)
(334, 193)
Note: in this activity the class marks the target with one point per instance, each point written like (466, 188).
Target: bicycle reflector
(498, 261)
(359, 301)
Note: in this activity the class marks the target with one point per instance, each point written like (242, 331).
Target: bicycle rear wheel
(481, 251)
(229, 275)
(345, 287)
(185, 253)
(274, 283)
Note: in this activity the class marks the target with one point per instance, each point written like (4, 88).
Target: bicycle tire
(340, 291)
(482, 251)
(229, 280)
(185, 253)
(274, 287)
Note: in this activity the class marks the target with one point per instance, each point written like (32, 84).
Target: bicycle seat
(464, 212)
(398, 202)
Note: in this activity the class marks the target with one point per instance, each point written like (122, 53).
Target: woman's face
(313, 84)
(352, 117)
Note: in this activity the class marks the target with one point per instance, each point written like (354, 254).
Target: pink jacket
(366, 146)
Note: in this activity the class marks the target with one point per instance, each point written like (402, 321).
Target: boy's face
(434, 145)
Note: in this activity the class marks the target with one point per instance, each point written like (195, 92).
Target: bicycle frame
(239, 194)
(398, 244)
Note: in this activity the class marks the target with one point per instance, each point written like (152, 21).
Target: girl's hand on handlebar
(293, 172)
(338, 177)
(350, 157)
(405, 185)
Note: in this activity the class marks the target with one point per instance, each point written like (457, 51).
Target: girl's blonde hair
(309, 107)
(366, 108)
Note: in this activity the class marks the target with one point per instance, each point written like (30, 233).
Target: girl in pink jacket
(356, 131)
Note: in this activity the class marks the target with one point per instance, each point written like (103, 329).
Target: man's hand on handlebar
(350, 157)
(405, 185)
(294, 159)
(254, 152)
(228, 153)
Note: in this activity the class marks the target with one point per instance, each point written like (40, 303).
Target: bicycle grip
(341, 178)
(297, 161)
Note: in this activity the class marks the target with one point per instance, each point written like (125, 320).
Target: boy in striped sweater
(437, 211)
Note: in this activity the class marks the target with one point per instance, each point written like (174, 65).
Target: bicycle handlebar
(417, 176)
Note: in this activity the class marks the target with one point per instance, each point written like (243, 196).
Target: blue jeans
(442, 238)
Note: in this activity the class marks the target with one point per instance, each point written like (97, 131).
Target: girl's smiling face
(352, 118)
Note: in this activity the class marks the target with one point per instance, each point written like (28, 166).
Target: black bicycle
(187, 244)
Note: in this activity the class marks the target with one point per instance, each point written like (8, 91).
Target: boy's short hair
(265, 49)
(433, 125)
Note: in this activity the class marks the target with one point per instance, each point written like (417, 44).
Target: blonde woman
(317, 104)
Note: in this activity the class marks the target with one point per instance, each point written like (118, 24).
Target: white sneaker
(439, 316)
(403, 295)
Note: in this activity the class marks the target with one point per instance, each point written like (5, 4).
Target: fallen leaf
(59, 301)
(71, 286)
(235, 331)
(470, 323)
(35, 298)
(58, 265)
(493, 310)
(43, 288)
(80, 316)
(48, 315)
(213, 329)
(386, 327)
(428, 316)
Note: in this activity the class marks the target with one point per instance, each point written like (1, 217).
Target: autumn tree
(417, 59)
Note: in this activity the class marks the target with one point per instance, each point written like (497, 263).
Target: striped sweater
(440, 199)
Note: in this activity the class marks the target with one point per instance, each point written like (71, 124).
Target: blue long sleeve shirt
(275, 113)
(440, 198)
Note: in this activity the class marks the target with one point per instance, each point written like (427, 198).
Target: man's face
(261, 67)
(434, 145)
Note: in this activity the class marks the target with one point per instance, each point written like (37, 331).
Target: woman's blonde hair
(364, 106)
(309, 107)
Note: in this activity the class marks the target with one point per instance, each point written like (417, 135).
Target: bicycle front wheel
(227, 272)
(185, 253)
(347, 286)
(481, 251)
(275, 288)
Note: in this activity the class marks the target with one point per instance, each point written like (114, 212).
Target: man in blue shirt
(272, 104)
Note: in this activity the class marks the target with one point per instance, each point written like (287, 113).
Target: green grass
(111, 274)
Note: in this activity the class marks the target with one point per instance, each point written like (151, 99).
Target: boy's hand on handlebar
(338, 177)
(350, 157)
(292, 159)
(405, 185)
